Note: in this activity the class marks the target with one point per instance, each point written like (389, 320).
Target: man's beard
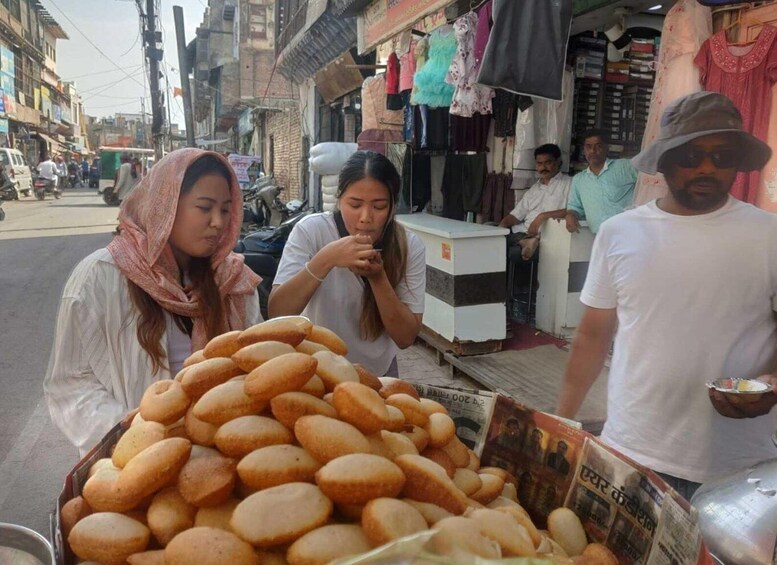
(699, 202)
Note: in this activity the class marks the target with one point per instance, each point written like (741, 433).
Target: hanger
(744, 18)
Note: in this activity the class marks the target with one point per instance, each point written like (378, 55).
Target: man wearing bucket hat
(690, 283)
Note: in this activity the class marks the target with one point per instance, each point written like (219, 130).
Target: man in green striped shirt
(604, 189)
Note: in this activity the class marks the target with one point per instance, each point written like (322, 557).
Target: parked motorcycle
(263, 248)
(10, 192)
(42, 187)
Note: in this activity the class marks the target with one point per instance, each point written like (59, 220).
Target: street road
(40, 243)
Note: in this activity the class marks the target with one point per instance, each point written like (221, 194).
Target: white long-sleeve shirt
(98, 371)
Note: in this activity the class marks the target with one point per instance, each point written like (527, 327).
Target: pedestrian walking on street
(168, 282)
(689, 282)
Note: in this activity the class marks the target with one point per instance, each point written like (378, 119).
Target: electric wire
(100, 51)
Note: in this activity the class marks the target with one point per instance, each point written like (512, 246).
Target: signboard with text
(247, 167)
(384, 19)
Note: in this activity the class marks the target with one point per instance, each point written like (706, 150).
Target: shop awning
(310, 51)
(55, 145)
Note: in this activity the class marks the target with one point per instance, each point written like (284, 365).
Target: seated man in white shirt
(546, 199)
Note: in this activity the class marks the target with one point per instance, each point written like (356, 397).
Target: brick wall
(284, 127)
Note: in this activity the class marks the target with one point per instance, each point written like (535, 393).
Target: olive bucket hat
(697, 115)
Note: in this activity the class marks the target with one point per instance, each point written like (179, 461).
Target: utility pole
(143, 119)
(154, 55)
(183, 67)
(169, 113)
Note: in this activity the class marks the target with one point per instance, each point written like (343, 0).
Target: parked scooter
(10, 191)
(72, 179)
(263, 248)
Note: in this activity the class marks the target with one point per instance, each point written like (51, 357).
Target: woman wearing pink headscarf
(168, 282)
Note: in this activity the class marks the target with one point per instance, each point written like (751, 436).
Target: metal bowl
(740, 390)
(23, 546)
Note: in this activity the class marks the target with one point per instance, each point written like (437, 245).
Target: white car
(17, 168)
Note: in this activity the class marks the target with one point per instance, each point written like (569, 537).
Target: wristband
(307, 268)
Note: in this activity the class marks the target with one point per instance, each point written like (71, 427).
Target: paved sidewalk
(418, 364)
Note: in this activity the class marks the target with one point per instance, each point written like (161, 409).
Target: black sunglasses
(690, 157)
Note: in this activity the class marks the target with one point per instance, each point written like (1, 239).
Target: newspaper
(678, 539)
(540, 450)
(470, 409)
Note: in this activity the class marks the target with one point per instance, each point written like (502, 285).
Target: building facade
(241, 103)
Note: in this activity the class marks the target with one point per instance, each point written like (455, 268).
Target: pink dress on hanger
(767, 191)
(746, 75)
(686, 27)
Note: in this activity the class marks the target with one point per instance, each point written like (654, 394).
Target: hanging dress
(429, 86)
(686, 27)
(469, 98)
(746, 75)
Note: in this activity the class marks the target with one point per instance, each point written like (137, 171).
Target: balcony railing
(289, 24)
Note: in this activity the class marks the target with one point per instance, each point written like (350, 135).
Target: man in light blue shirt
(604, 189)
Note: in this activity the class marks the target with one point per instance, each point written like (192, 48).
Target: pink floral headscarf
(144, 256)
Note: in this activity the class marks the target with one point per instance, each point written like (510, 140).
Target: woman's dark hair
(151, 316)
(368, 164)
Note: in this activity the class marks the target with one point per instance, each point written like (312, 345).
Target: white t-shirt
(541, 198)
(695, 297)
(48, 169)
(337, 302)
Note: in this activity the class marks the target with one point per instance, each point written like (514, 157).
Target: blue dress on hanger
(429, 83)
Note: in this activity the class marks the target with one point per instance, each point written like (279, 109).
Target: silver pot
(23, 546)
(738, 515)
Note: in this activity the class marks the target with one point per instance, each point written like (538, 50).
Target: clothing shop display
(498, 197)
(746, 75)
(545, 121)
(527, 47)
(429, 85)
(462, 185)
(407, 66)
(393, 99)
(470, 134)
(421, 54)
(431, 128)
(505, 109)
(408, 113)
(686, 27)
(483, 31)
(469, 98)
(502, 149)
(767, 191)
(378, 140)
(375, 115)
(438, 173)
(416, 181)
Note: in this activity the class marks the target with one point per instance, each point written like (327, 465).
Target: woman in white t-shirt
(357, 271)
(167, 283)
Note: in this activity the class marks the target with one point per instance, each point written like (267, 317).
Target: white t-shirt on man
(541, 198)
(695, 297)
(337, 303)
(48, 169)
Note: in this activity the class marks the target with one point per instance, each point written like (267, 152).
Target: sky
(104, 35)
